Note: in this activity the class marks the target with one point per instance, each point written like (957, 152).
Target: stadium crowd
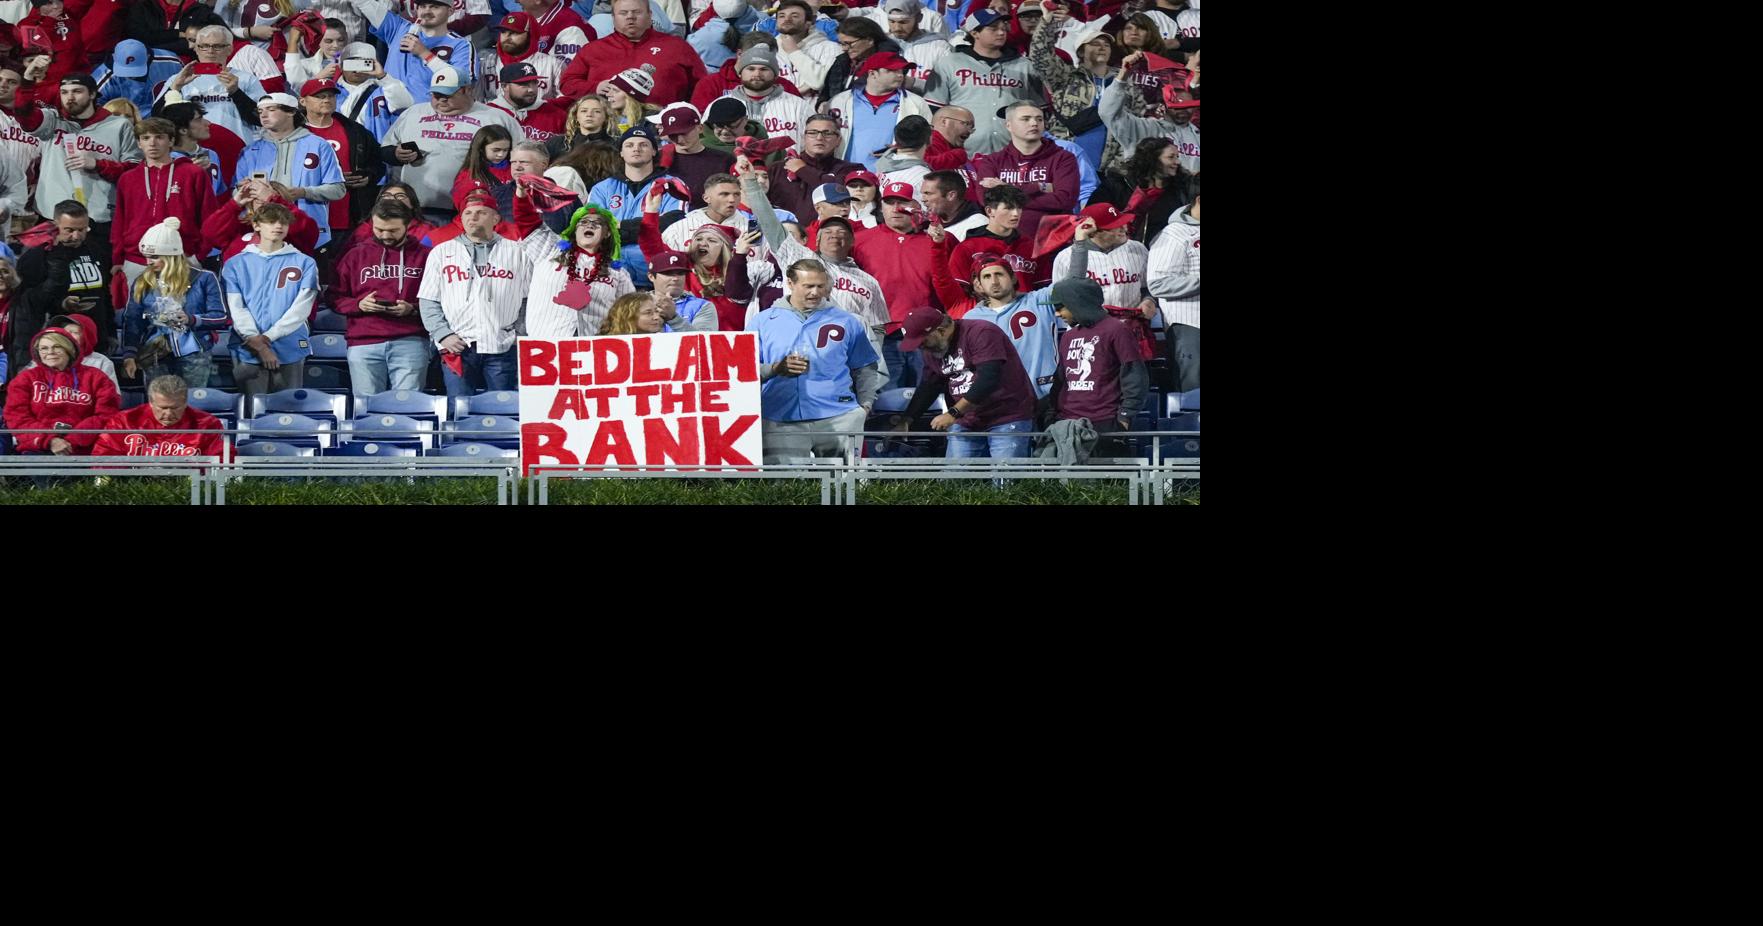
(995, 201)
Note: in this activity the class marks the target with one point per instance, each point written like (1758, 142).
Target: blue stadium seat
(329, 346)
(504, 402)
(326, 320)
(324, 406)
(371, 449)
(327, 377)
(390, 429)
(1178, 402)
(501, 432)
(476, 449)
(133, 397)
(222, 349)
(289, 428)
(217, 402)
(418, 405)
(1178, 448)
(895, 401)
(264, 448)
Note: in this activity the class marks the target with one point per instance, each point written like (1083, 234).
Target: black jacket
(364, 158)
(46, 278)
(146, 21)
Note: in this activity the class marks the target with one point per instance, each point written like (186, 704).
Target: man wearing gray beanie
(767, 102)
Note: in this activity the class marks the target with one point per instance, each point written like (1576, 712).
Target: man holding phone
(367, 94)
(65, 276)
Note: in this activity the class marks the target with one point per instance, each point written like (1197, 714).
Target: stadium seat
(326, 320)
(501, 432)
(504, 402)
(133, 397)
(1178, 402)
(217, 402)
(329, 346)
(323, 406)
(289, 428)
(371, 449)
(476, 449)
(1180, 448)
(401, 430)
(222, 349)
(327, 377)
(418, 405)
(264, 448)
(895, 401)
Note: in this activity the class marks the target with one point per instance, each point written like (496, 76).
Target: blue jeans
(903, 366)
(401, 363)
(483, 373)
(194, 368)
(1001, 441)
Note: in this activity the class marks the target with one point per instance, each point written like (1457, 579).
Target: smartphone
(358, 65)
(259, 175)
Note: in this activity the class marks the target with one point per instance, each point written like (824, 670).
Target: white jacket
(806, 67)
(1175, 270)
(781, 112)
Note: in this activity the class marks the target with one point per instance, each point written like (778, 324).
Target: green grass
(482, 491)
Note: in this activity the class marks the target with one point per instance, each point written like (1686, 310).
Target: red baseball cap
(896, 190)
(1107, 216)
(479, 198)
(515, 22)
(863, 175)
(882, 60)
(315, 87)
(679, 119)
(918, 324)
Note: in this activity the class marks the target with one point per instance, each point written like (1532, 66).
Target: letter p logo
(1022, 321)
(288, 275)
(829, 333)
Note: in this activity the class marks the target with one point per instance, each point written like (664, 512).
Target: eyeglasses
(850, 43)
(820, 133)
(212, 47)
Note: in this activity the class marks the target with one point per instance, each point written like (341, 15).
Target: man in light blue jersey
(817, 368)
(415, 52)
(622, 194)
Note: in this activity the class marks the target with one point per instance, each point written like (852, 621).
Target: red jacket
(144, 442)
(542, 121)
(1049, 164)
(1018, 251)
(102, 25)
(677, 65)
(731, 304)
(39, 397)
(227, 230)
(66, 43)
(724, 80)
(145, 196)
(388, 274)
(898, 262)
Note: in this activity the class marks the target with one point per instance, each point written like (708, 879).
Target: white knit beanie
(163, 240)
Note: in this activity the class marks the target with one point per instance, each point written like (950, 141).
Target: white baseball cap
(445, 81)
(279, 99)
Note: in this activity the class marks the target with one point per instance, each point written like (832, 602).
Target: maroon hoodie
(1049, 164)
(389, 274)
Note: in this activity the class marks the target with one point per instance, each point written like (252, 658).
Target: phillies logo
(846, 284)
(828, 334)
(774, 126)
(971, 78)
(1196, 242)
(86, 144)
(288, 275)
(1189, 149)
(380, 107)
(1019, 263)
(1017, 175)
(1021, 322)
(448, 127)
(1121, 275)
(654, 50)
(311, 161)
(265, 9)
(40, 392)
(140, 446)
(336, 148)
(445, 53)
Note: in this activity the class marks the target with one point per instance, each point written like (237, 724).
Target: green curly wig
(568, 243)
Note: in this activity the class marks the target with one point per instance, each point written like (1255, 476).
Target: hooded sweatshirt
(896, 168)
(1049, 164)
(299, 159)
(89, 330)
(724, 81)
(147, 440)
(806, 67)
(271, 294)
(781, 111)
(109, 138)
(146, 195)
(982, 86)
(388, 274)
(202, 303)
(226, 229)
(39, 397)
(1101, 376)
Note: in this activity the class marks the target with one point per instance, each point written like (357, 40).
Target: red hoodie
(145, 441)
(677, 65)
(227, 230)
(1049, 164)
(102, 25)
(725, 80)
(39, 397)
(388, 274)
(145, 196)
(67, 45)
(1031, 272)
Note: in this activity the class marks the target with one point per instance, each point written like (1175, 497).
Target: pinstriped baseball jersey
(1120, 272)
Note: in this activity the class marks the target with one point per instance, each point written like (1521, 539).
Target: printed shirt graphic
(977, 343)
(1090, 362)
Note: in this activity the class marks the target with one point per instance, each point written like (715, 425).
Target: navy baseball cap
(978, 20)
(520, 72)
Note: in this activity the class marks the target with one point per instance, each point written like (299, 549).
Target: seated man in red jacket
(146, 426)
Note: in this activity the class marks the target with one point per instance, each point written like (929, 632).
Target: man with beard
(516, 44)
(376, 291)
(622, 194)
(793, 182)
(521, 98)
(88, 150)
(767, 102)
(804, 52)
(1176, 120)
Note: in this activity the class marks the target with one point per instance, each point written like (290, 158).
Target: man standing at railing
(167, 409)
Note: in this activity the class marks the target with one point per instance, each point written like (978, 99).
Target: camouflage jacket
(1074, 94)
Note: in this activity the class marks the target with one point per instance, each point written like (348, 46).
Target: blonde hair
(623, 317)
(571, 127)
(172, 278)
(125, 109)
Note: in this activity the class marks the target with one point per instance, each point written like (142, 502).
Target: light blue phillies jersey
(1028, 322)
(835, 343)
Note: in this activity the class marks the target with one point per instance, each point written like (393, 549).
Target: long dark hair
(1145, 167)
(1153, 41)
(475, 162)
(593, 162)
